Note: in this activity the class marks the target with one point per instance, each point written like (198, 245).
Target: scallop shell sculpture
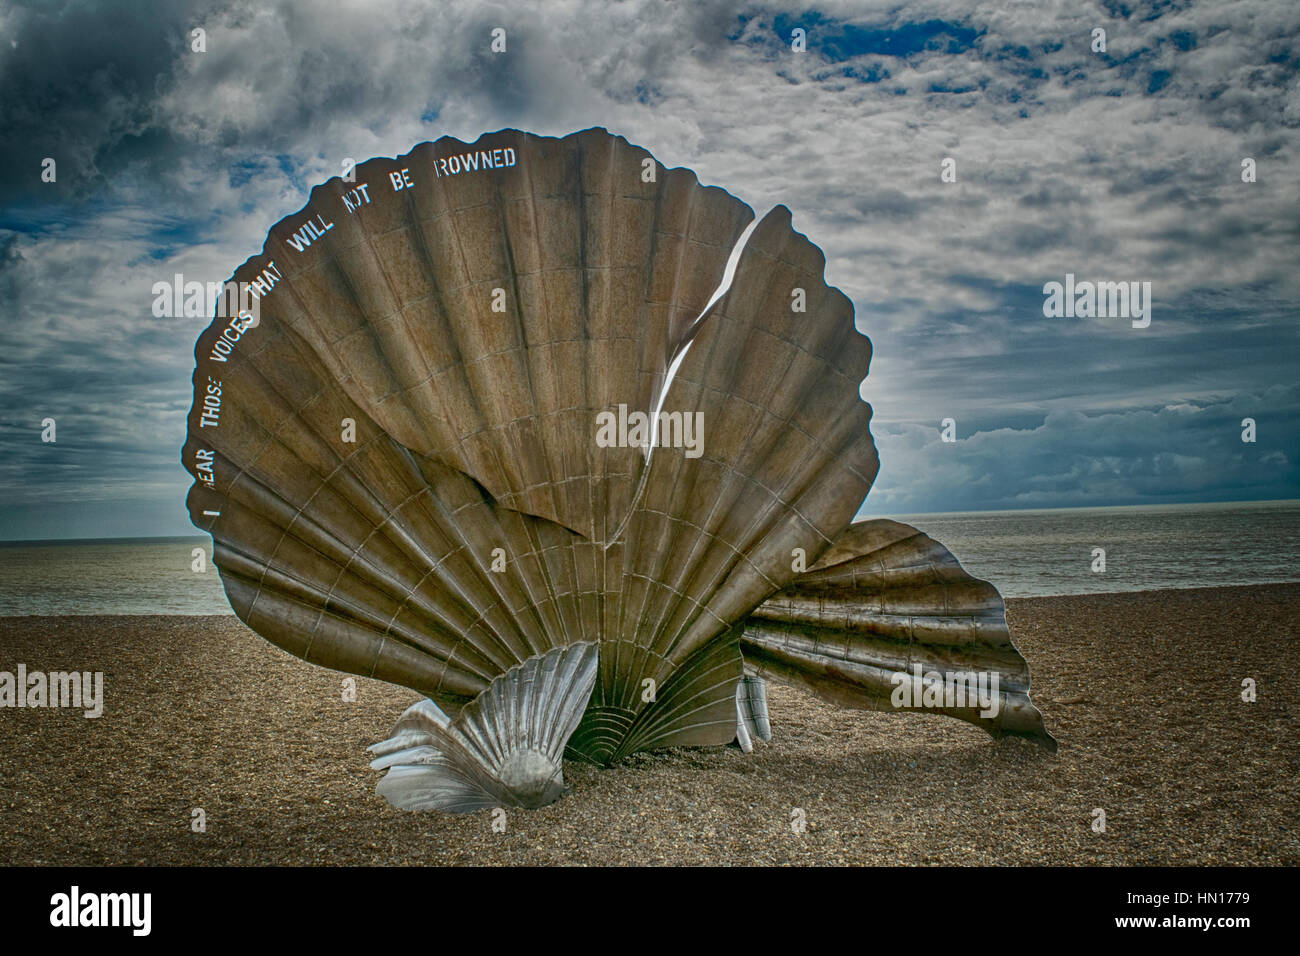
(425, 458)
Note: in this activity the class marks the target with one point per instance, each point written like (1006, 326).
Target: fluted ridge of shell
(884, 600)
(461, 765)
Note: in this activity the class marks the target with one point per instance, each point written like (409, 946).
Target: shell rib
(505, 748)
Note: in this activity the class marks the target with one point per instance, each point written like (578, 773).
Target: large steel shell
(406, 461)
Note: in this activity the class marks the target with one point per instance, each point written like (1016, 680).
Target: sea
(1024, 553)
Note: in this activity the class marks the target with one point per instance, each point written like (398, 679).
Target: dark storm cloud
(80, 83)
(1160, 455)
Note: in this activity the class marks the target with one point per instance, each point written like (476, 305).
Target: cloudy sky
(1122, 165)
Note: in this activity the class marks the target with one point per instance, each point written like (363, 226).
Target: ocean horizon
(1030, 553)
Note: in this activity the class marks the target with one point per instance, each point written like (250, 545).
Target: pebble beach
(1142, 690)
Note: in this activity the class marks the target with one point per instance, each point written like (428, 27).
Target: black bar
(337, 905)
